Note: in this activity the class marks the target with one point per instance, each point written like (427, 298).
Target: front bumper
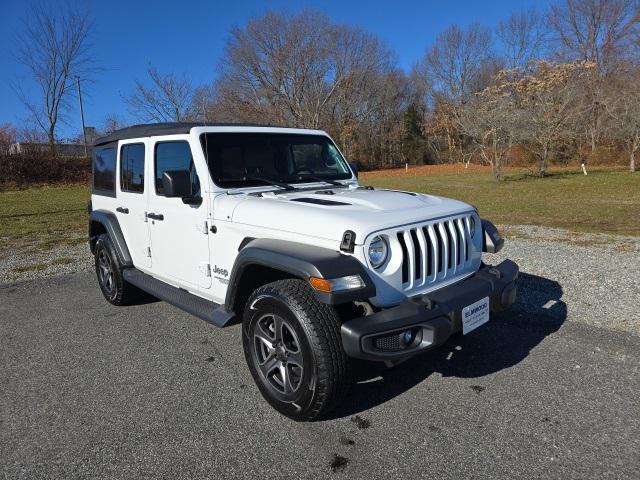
(432, 317)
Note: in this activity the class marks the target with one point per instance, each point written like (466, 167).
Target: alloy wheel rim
(278, 354)
(105, 270)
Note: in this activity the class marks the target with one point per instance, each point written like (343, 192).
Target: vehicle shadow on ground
(505, 341)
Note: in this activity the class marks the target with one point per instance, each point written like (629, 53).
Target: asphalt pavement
(89, 390)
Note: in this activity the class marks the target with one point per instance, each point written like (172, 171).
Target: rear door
(179, 232)
(132, 198)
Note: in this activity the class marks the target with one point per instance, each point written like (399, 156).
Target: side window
(174, 156)
(104, 170)
(132, 168)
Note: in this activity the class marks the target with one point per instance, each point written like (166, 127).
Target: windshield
(245, 159)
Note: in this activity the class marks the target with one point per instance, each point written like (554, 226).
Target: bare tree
(204, 103)
(522, 37)
(454, 62)
(375, 131)
(111, 123)
(601, 32)
(442, 131)
(299, 70)
(622, 101)
(548, 103)
(31, 134)
(597, 31)
(458, 64)
(489, 120)
(8, 134)
(275, 68)
(168, 98)
(53, 45)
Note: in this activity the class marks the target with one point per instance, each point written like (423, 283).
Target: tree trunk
(497, 160)
(497, 169)
(543, 162)
(632, 161)
(52, 142)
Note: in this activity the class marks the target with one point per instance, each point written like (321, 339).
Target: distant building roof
(63, 149)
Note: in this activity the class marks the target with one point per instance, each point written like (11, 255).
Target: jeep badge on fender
(317, 269)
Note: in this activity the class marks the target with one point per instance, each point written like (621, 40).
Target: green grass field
(603, 201)
(41, 218)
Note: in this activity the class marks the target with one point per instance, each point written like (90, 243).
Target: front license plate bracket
(475, 315)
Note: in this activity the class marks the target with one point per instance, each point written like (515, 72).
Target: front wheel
(293, 349)
(109, 272)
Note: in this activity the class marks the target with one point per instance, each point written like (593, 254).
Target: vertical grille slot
(462, 232)
(467, 237)
(405, 260)
(417, 249)
(458, 240)
(449, 241)
(440, 248)
(428, 252)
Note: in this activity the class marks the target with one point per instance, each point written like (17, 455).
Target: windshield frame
(301, 179)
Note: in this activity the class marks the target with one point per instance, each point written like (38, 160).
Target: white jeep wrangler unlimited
(269, 226)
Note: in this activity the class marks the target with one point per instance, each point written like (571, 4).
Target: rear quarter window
(104, 170)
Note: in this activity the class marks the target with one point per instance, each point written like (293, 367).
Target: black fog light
(397, 341)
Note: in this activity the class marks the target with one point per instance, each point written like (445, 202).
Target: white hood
(360, 210)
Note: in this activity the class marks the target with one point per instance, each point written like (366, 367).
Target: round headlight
(472, 225)
(378, 250)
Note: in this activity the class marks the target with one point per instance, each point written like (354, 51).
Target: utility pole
(84, 132)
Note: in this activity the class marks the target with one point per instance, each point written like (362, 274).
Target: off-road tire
(116, 291)
(326, 372)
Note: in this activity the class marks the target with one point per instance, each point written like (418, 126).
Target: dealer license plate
(475, 315)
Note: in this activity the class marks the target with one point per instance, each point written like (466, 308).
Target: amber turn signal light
(350, 282)
(320, 284)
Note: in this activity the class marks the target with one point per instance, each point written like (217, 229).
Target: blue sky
(189, 37)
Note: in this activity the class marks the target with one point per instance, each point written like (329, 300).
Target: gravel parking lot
(598, 273)
(548, 389)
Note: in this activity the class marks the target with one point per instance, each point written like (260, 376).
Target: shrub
(39, 167)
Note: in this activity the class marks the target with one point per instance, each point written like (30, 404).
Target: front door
(179, 236)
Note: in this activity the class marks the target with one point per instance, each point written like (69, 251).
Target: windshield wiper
(275, 183)
(320, 179)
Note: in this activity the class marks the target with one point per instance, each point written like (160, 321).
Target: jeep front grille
(436, 251)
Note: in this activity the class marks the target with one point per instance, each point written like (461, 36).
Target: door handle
(122, 210)
(155, 216)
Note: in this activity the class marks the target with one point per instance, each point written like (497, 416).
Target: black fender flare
(301, 261)
(492, 242)
(110, 223)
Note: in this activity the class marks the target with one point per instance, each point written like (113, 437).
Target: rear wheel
(109, 273)
(293, 349)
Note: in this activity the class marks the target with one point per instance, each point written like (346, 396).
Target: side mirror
(354, 168)
(176, 183)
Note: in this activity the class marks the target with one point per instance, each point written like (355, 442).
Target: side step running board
(204, 309)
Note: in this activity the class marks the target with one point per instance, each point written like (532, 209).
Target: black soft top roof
(151, 129)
